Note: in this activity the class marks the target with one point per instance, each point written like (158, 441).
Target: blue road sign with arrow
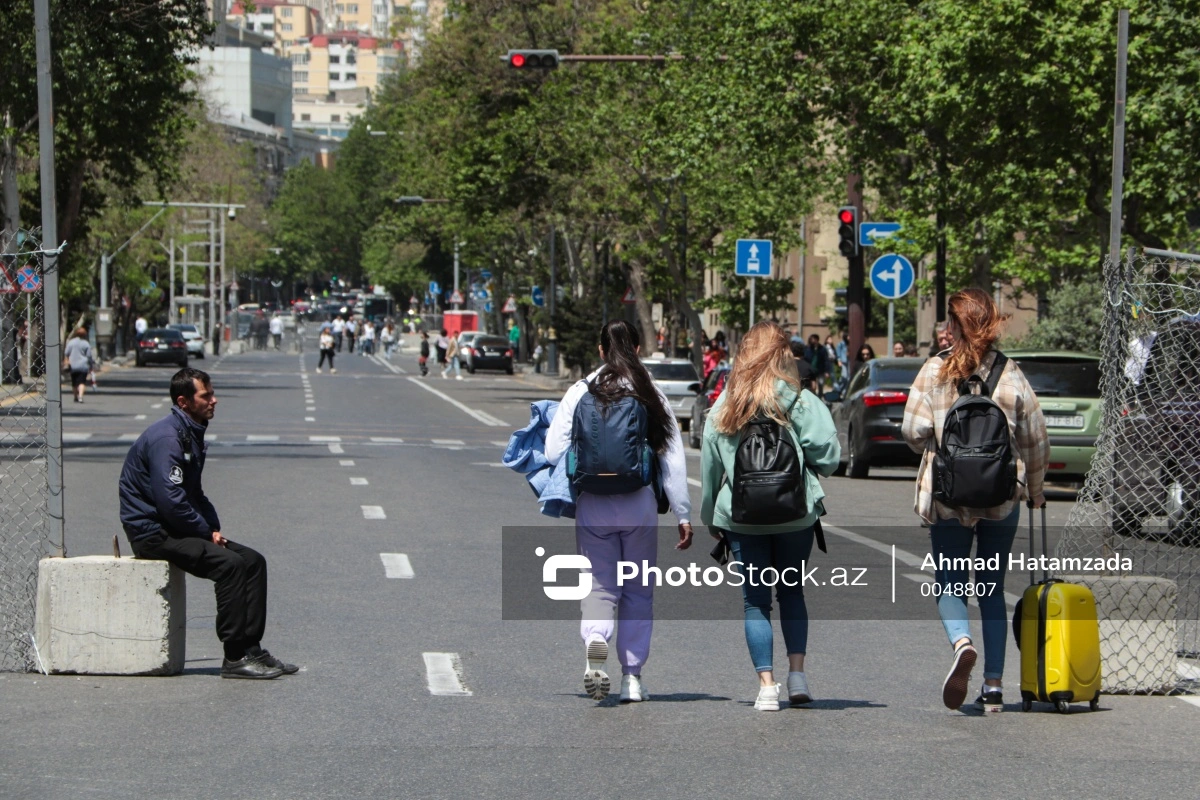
(871, 232)
(753, 258)
(892, 276)
(538, 296)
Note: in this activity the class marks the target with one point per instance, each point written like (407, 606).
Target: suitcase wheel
(1063, 706)
(1094, 705)
(1026, 705)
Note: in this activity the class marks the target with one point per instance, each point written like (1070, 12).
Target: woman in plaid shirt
(974, 325)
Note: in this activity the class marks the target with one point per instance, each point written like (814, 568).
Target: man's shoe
(768, 698)
(990, 700)
(271, 661)
(954, 690)
(797, 686)
(632, 690)
(595, 679)
(249, 667)
(332, 371)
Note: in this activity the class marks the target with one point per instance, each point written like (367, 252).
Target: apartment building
(282, 21)
(343, 60)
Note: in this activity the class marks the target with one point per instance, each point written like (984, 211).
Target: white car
(289, 320)
(192, 338)
(679, 381)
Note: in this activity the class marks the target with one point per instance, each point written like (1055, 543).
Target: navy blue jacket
(160, 482)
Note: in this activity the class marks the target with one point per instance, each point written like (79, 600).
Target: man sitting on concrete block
(167, 516)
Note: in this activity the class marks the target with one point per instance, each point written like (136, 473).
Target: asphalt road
(375, 461)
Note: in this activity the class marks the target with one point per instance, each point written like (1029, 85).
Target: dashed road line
(487, 464)
(139, 418)
(695, 483)
(157, 405)
(76, 437)
(323, 439)
(443, 675)
(310, 419)
(336, 449)
(498, 444)
(396, 565)
(128, 437)
(346, 462)
(449, 442)
(310, 408)
(386, 440)
(358, 481)
(482, 416)
(262, 438)
(373, 512)
(388, 365)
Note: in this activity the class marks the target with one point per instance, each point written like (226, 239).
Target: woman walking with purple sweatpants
(612, 522)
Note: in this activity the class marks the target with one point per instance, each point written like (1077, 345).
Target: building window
(336, 118)
(286, 27)
(306, 117)
(300, 77)
(287, 12)
(351, 8)
(268, 27)
(340, 8)
(351, 76)
(300, 58)
(351, 58)
(335, 59)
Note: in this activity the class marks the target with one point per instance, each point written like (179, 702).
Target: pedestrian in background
(865, 353)
(452, 358)
(815, 355)
(898, 349)
(351, 333)
(442, 344)
(78, 357)
(764, 383)
(339, 331)
(367, 348)
(621, 526)
(537, 358)
(423, 359)
(975, 325)
(387, 338)
(514, 339)
(843, 361)
(277, 329)
(327, 343)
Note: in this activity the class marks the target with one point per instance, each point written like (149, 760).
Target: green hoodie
(812, 430)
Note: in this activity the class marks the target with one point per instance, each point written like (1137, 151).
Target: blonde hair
(979, 325)
(764, 358)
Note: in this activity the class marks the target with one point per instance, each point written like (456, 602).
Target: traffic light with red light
(848, 231)
(532, 59)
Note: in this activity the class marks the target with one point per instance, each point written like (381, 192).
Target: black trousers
(326, 355)
(241, 577)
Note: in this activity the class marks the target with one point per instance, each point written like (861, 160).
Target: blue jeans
(995, 538)
(781, 551)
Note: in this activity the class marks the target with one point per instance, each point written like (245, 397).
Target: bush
(1074, 320)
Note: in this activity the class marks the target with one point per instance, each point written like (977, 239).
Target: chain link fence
(1141, 498)
(24, 493)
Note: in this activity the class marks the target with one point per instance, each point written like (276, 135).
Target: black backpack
(974, 466)
(610, 452)
(768, 475)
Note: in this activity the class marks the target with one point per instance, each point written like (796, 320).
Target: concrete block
(1138, 631)
(100, 615)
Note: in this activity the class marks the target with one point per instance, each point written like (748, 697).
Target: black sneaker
(250, 668)
(954, 690)
(990, 700)
(271, 661)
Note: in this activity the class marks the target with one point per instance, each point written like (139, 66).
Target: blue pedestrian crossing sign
(753, 258)
(892, 276)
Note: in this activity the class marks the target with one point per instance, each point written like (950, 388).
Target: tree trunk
(641, 293)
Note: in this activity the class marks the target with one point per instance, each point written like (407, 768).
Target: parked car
(869, 415)
(161, 346)
(679, 381)
(1067, 386)
(1156, 461)
(289, 320)
(465, 338)
(714, 384)
(489, 352)
(191, 337)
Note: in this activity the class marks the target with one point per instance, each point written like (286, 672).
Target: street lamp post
(552, 350)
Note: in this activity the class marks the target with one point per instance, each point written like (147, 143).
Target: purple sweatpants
(608, 529)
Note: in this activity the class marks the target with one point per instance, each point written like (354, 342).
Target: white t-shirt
(339, 325)
(368, 332)
(276, 325)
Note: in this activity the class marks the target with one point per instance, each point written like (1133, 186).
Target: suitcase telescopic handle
(1033, 571)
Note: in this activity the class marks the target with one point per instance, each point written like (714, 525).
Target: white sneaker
(798, 693)
(458, 377)
(632, 690)
(768, 698)
(595, 679)
(332, 371)
(318, 370)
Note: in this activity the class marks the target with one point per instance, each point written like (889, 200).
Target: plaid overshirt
(925, 414)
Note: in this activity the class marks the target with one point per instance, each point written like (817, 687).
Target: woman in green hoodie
(764, 383)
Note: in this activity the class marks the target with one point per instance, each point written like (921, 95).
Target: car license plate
(1064, 422)
(162, 346)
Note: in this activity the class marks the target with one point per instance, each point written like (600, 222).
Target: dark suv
(1156, 461)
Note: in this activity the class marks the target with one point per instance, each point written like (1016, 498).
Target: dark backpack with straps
(974, 466)
(768, 475)
(610, 452)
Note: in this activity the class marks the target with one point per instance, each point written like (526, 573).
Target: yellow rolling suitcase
(1059, 640)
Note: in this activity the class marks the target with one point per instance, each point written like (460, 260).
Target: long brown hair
(979, 325)
(763, 358)
(624, 375)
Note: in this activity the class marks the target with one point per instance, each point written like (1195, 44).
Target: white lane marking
(346, 462)
(358, 481)
(449, 442)
(388, 365)
(443, 674)
(486, 464)
(310, 408)
(482, 416)
(139, 417)
(76, 437)
(499, 444)
(261, 438)
(695, 483)
(386, 440)
(128, 437)
(396, 565)
(373, 512)
(321, 439)
(336, 449)
(1189, 672)
(210, 437)
(1193, 700)
(310, 419)
(157, 405)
